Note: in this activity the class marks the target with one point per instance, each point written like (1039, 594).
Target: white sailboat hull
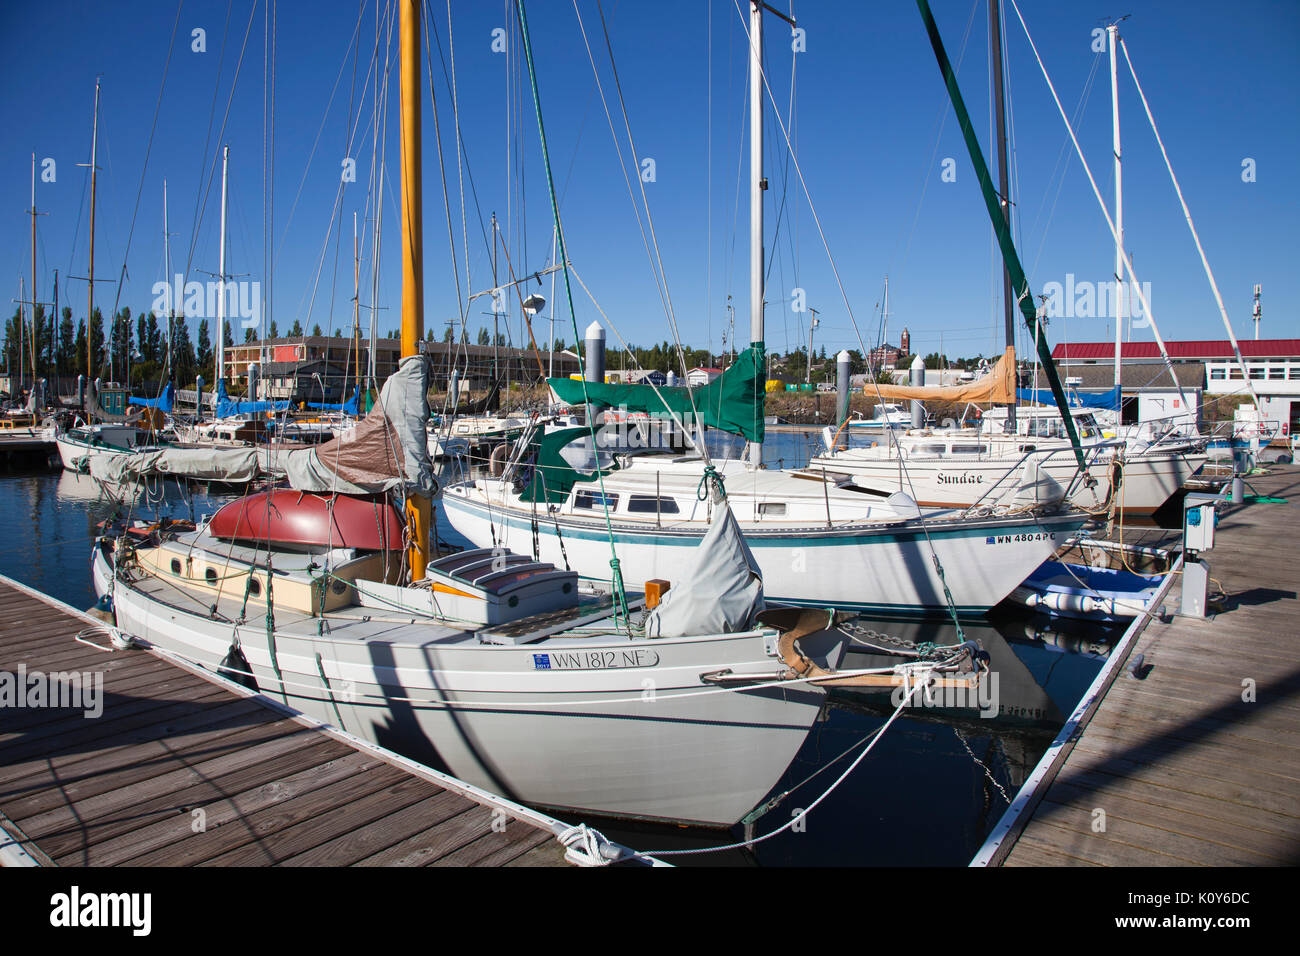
(605, 726)
(1146, 482)
(885, 568)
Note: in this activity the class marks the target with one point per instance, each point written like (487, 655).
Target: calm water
(928, 793)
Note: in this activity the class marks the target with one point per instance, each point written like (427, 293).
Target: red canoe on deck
(302, 519)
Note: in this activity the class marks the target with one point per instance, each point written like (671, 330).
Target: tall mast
(167, 273)
(999, 106)
(496, 371)
(1121, 287)
(884, 325)
(757, 183)
(356, 304)
(22, 331)
(417, 506)
(219, 372)
(90, 303)
(35, 335)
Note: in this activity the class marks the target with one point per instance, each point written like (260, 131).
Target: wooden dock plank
(272, 788)
(1187, 771)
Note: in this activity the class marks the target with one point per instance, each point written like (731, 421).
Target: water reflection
(936, 783)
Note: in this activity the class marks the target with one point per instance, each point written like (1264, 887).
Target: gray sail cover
(721, 593)
(235, 465)
(387, 449)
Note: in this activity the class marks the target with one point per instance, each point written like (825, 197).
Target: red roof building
(1197, 350)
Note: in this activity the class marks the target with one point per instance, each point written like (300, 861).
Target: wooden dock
(1197, 762)
(182, 768)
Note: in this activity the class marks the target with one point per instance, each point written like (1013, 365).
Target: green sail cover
(732, 402)
(552, 475)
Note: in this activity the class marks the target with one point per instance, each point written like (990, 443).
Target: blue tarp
(163, 402)
(1077, 398)
(228, 409)
(351, 406)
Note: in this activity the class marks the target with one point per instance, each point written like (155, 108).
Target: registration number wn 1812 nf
(594, 660)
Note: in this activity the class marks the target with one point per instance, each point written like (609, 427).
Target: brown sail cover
(998, 387)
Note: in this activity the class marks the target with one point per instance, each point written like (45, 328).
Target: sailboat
(1021, 455)
(815, 542)
(505, 670)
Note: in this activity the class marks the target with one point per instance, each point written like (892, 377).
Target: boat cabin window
(595, 499)
(775, 509)
(650, 504)
(969, 449)
(932, 449)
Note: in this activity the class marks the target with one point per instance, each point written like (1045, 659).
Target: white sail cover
(235, 465)
(388, 448)
(721, 594)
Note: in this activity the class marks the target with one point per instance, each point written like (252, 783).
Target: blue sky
(872, 128)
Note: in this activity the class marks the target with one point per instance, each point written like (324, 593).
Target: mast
(753, 452)
(417, 506)
(22, 331)
(496, 372)
(997, 217)
(35, 331)
(1121, 287)
(90, 303)
(356, 305)
(219, 374)
(167, 272)
(1000, 116)
(884, 326)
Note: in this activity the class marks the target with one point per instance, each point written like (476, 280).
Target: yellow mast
(417, 506)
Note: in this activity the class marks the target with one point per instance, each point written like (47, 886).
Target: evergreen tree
(273, 332)
(152, 347)
(248, 336)
(483, 337)
(449, 336)
(315, 330)
(96, 345)
(227, 336)
(41, 332)
(79, 349)
(66, 355)
(296, 331)
(13, 336)
(183, 358)
(142, 337)
(203, 351)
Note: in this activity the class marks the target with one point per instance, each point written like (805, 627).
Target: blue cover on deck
(228, 409)
(163, 402)
(1077, 398)
(351, 406)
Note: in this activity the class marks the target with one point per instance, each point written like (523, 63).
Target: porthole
(254, 587)
(210, 575)
(338, 587)
(176, 565)
(568, 586)
(514, 600)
